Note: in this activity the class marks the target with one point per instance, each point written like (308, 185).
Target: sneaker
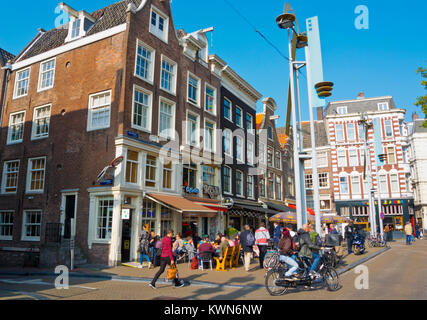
(150, 265)
(152, 286)
(180, 284)
(140, 266)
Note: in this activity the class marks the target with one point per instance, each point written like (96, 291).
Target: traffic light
(382, 157)
(324, 89)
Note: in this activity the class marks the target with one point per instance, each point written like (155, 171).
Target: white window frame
(150, 71)
(251, 194)
(90, 111)
(110, 213)
(231, 110)
(34, 135)
(336, 131)
(230, 180)
(278, 160)
(170, 172)
(209, 173)
(242, 150)
(355, 182)
(250, 153)
(382, 178)
(353, 130)
(29, 171)
(230, 141)
(327, 180)
(162, 35)
(341, 165)
(213, 149)
(24, 237)
(353, 152)
(197, 133)
(394, 154)
(307, 178)
(383, 106)
(396, 189)
(278, 191)
(9, 132)
(342, 110)
(239, 193)
(133, 163)
(241, 117)
(340, 184)
(171, 135)
(149, 112)
(15, 88)
(263, 153)
(12, 212)
(4, 176)
(215, 100)
(156, 167)
(385, 128)
(251, 129)
(173, 75)
(198, 89)
(41, 72)
(322, 160)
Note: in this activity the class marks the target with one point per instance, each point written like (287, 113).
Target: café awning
(179, 204)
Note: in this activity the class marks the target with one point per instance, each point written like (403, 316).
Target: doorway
(70, 212)
(127, 237)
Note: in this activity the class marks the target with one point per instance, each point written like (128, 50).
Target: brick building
(346, 138)
(118, 82)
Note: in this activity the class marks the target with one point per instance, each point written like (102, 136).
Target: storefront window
(149, 214)
(166, 221)
(208, 175)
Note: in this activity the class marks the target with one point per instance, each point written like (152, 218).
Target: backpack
(250, 239)
(296, 243)
(195, 264)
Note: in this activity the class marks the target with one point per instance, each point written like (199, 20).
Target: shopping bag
(172, 272)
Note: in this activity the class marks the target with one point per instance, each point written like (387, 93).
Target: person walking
(247, 240)
(166, 258)
(286, 252)
(144, 246)
(261, 240)
(277, 233)
(349, 235)
(153, 240)
(408, 232)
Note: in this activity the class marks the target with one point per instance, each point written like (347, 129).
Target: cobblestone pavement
(396, 274)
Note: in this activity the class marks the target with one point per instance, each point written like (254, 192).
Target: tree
(422, 101)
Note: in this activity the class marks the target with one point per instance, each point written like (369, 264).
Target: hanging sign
(125, 214)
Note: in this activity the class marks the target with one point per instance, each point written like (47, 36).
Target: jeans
(316, 259)
(292, 264)
(408, 239)
(142, 255)
(163, 262)
(350, 245)
(152, 253)
(247, 258)
(262, 252)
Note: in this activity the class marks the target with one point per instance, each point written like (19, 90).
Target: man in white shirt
(261, 240)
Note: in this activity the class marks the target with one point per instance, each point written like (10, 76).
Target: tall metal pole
(316, 194)
(368, 164)
(295, 134)
(300, 149)
(380, 207)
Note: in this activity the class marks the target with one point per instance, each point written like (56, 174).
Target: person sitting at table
(218, 238)
(222, 247)
(230, 242)
(189, 247)
(206, 246)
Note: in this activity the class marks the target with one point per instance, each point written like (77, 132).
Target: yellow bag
(172, 272)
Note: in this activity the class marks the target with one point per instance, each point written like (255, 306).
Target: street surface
(398, 273)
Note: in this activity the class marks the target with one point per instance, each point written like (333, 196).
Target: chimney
(319, 113)
(414, 116)
(361, 95)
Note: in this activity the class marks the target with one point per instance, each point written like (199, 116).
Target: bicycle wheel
(271, 283)
(331, 278)
(271, 259)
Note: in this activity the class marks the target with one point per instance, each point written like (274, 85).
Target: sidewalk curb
(196, 283)
(359, 262)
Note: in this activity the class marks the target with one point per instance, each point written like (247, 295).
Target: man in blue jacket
(277, 234)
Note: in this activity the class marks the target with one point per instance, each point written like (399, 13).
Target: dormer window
(75, 29)
(342, 110)
(159, 24)
(383, 106)
(80, 22)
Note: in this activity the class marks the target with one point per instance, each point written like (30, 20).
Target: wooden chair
(236, 256)
(228, 255)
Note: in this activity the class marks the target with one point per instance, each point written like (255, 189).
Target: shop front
(245, 212)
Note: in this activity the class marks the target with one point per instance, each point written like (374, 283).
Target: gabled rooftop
(5, 57)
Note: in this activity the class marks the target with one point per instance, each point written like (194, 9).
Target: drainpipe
(8, 68)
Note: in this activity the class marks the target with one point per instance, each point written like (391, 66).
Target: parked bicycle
(377, 241)
(277, 285)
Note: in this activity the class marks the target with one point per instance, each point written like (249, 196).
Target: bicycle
(277, 285)
(271, 259)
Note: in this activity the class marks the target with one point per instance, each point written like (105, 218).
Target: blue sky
(379, 61)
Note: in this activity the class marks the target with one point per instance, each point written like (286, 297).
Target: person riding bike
(306, 249)
(285, 249)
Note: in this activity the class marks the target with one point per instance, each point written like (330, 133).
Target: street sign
(382, 215)
(125, 214)
(228, 202)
